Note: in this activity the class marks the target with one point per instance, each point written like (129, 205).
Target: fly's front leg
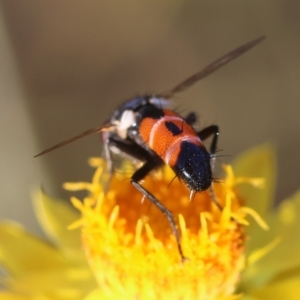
(139, 175)
(204, 134)
(207, 132)
(129, 149)
(108, 159)
(107, 153)
(121, 147)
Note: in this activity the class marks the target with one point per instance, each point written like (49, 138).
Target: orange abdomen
(164, 135)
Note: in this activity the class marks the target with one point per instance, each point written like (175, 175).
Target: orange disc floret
(133, 253)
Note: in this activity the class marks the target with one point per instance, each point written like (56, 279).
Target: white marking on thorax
(159, 123)
(127, 119)
(174, 146)
(160, 102)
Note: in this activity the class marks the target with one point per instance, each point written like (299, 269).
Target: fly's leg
(108, 159)
(107, 153)
(191, 118)
(139, 175)
(205, 133)
(129, 149)
(115, 145)
(151, 163)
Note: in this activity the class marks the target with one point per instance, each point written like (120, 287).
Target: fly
(144, 129)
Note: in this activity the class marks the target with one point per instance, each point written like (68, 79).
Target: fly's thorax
(131, 113)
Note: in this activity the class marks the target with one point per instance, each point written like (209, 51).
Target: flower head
(129, 238)
(132, 252)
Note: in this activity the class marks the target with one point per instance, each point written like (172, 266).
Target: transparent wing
(106, 127)
(213, 67)
(177, 89)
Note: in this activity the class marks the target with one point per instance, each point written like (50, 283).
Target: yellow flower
(39, 270)
(133, 254)
(273, 269)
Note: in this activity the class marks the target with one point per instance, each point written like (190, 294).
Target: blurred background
(66, 65)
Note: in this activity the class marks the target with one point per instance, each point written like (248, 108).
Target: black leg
(125, 148)
(204, 134)
(107, 153)
(207, 132)
(191, 118)
(130, 149)
(151, 163)
(139, 175)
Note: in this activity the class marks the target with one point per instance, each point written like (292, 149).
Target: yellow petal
(249, 297)
(38, 270)
(68, 283)
(292, 273)
(55, 215)
(97, 294)
(284, 225)
(287, 290)
(12, 296)
(21, 252)
(258, 162)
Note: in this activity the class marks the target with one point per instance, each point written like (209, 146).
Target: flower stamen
(133, 251)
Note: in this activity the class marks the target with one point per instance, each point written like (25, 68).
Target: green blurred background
(65, 66)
